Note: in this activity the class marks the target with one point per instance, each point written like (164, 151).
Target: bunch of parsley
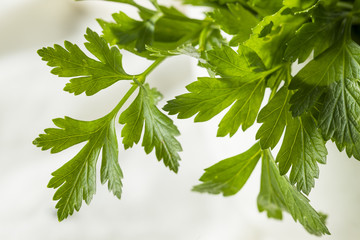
(247, 47)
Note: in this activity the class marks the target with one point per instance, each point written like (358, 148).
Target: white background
(156, 204)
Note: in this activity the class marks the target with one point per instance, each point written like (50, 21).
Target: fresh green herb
(229, 175)
(265, 38)
(92, 76)
(159, 129)
(277, 194)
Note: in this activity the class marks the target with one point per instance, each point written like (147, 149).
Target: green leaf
(299, 4)
(277, 195)
(187, 50)
(280, 74)
(266, 30)
(302, 148)
(271, 34)
(315, 36)
(312, 80)
(228, 63)
(262, 8)
(235, 20)
(165, 29)
(229, 175)
(266, 7)
(128, 33)
(110, 169)
(334, 74)
(339, 118)
(174, 28)
(209, 96)
(91, 75)
(242, 85)
(209, 2)
(269, 40)
(159, 132)
(69, 133)
(76, 179)
(244, 111)
(274, 117)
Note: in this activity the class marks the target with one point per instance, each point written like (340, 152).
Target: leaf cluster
(249, 48)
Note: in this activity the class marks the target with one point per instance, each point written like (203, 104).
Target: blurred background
(156, 204)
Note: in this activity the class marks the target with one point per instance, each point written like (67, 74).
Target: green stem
(274, 90)
(274, 69)
(140, 78)
(203, 37)
(347, 27)
(156, 5)
(144, 9)
(123, 100)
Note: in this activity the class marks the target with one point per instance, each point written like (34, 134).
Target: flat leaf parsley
(248, 48)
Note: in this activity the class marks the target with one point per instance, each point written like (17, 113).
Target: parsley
(229, 175)
(92, 76)
(159, 129)
(248, 48)
(76, 180)
(277, 194)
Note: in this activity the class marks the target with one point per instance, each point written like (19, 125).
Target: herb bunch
(248, 47)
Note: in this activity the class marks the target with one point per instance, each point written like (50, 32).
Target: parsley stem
(203, 37)
(124, 99)
(288, 73)
(141, 77)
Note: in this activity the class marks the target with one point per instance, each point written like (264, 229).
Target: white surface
(156, 204)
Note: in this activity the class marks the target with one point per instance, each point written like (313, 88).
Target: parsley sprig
(76, 180)
(256, 54)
